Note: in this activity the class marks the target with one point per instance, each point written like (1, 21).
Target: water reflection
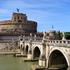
(14, 63)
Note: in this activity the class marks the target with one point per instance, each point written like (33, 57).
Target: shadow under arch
(57, 60)
(36, 53)
(27, 49)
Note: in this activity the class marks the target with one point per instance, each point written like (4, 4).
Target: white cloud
(3, 10)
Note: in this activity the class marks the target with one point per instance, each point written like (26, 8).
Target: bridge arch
(57, 59)
(26, 49)
(36, 52)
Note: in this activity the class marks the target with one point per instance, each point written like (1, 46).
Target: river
(14, 63)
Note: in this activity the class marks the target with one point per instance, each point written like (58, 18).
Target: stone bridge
(54, 52)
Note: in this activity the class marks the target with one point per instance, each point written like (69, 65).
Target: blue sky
(45, 12)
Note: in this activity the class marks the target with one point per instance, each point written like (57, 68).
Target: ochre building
(19, 24)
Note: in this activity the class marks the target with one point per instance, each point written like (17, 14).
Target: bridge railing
(39, 39)
(59, 42)
(33, 38)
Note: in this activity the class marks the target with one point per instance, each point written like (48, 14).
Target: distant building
(18, 25)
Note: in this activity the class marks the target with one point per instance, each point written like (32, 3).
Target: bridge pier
(42, 59)
(29, 55)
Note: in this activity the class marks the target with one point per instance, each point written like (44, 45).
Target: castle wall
(18, 23)
(29, 27)
(10, 30)
(11, 38)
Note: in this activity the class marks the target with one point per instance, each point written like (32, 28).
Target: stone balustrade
(59, 42)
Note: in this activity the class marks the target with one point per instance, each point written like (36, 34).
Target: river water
(14, 63)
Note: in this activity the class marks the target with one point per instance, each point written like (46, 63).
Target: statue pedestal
(29, 56)
(21, 53)
(41, 63)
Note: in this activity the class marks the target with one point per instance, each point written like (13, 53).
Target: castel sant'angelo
(18, 24)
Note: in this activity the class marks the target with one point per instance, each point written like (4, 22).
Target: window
(18, 17)
(15, 19)
(19, 21)
(21, 17)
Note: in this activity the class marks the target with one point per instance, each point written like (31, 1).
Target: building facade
(18, 25)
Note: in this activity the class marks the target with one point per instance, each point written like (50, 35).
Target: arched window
(19, 21)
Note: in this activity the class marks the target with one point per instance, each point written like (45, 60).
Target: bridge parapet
(59, 42)
(34, 39)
